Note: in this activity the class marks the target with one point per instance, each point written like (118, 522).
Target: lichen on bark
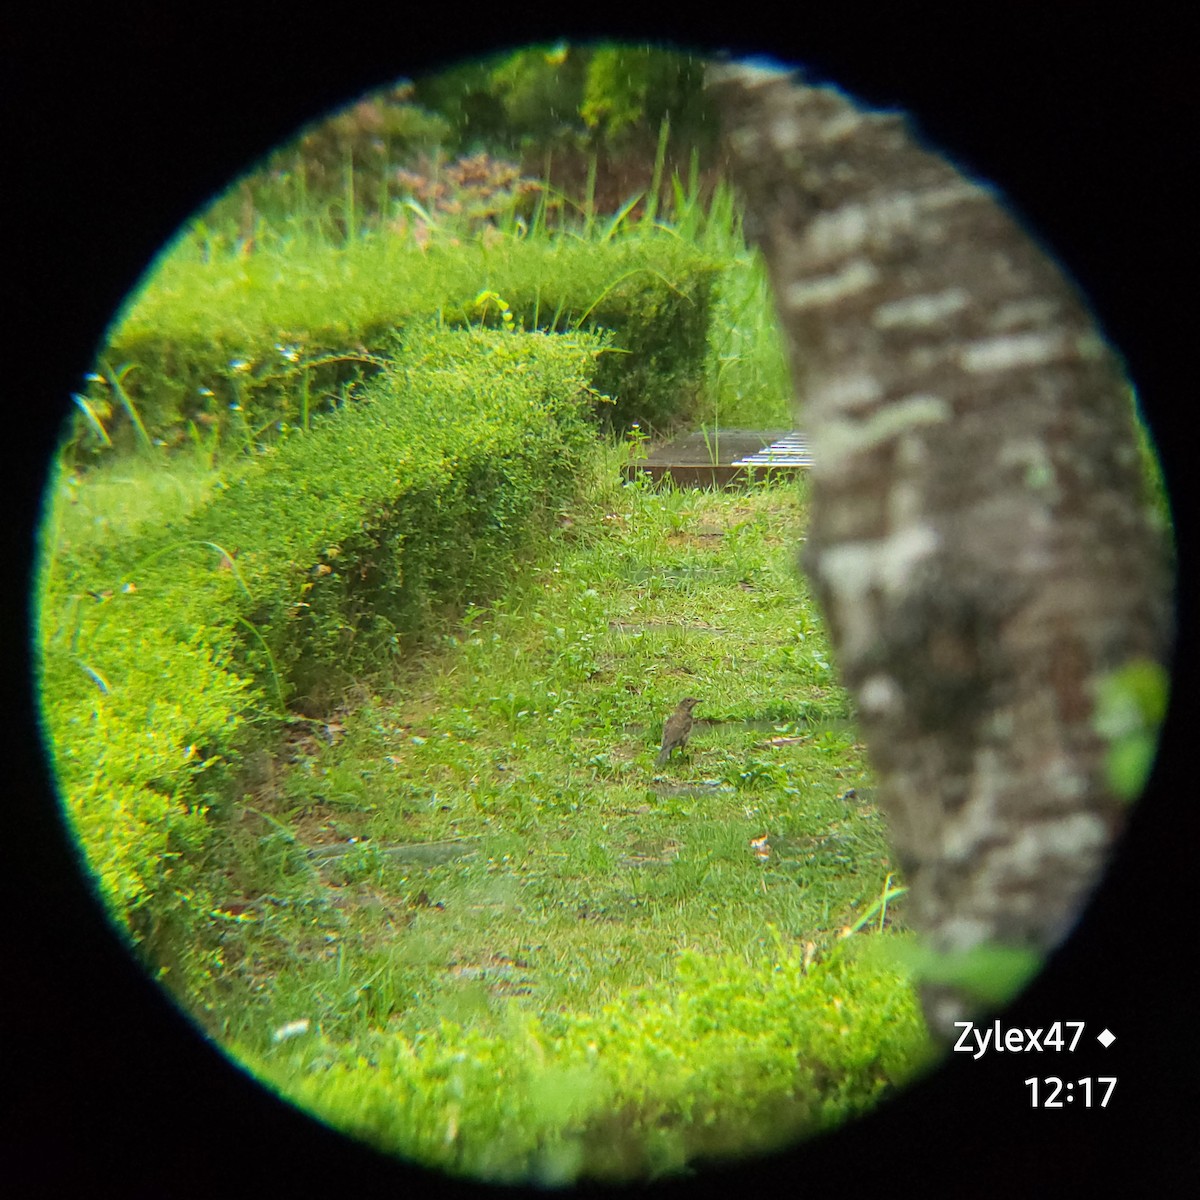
(979, 540)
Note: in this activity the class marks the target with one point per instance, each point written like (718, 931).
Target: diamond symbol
(1106, 1039)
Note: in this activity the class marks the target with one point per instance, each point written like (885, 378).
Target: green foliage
(161, 647)
(638, 87)
(529, 97)
(1130, 707)
(1153, 480)
(991, 972)
(750, 384)
(253, 347)
(547, 96)
(406, 511)
(143, 711)
(728, 1058)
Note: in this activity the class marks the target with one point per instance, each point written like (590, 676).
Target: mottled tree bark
(979, 542)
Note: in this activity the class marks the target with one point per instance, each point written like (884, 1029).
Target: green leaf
(1130, 706)
(991, 972)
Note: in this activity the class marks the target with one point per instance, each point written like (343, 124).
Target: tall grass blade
(660, 158)
(282, 712)
(117, 380)
(93, 420)
(617, 219)
(589, 199)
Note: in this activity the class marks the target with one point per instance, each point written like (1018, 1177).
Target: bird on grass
(677, 729)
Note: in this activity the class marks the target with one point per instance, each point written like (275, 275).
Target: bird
(677, 728)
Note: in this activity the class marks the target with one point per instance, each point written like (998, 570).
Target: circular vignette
(80, 1021)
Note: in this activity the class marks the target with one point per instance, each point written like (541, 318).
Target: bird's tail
(663, 755)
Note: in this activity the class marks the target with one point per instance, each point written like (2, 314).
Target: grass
(486, 839)
(338, 289)
(523, 747)
(118, 497)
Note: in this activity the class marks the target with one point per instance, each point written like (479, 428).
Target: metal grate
(790, 451)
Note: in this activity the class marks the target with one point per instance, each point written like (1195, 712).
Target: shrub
(167, 655)
(250, 347)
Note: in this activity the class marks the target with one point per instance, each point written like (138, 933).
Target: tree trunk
(979, 542)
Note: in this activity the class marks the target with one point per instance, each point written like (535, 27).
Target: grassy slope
(529, 740)
(517, 852)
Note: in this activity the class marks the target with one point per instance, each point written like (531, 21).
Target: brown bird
(677, 729)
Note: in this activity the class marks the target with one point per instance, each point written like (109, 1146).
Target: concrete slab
(725, 459)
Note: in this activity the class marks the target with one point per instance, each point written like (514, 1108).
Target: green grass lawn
(512, 835)
(486, 840)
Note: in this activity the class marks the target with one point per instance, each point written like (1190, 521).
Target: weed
(116, 379)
